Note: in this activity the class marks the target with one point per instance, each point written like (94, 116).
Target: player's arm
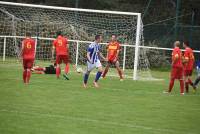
(101, 55)
(175, 58)
(88, 56)
(52, 52)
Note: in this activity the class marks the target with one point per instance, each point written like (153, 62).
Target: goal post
(80, 26)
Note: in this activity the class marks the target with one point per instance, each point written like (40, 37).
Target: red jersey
(113, 47)
(61, 45)
(29, 48)
(177, 62)
(188, 54)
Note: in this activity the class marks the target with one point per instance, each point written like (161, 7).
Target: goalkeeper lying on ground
(51, 69)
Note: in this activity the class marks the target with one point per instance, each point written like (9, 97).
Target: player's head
(177, 44)
(28, 34)
(186, 44)
(113, 37)
(98, 38)
(59, 33)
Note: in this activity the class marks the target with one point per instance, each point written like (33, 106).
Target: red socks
(190, 82)
(28, 76)
(57, 72)
(105, 72)
(171, 85)
(24, 76)
(182, 86)
(67, 68)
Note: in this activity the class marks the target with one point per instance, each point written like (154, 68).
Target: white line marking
(89, 120)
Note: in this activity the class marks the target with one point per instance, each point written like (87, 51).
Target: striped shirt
(94, 49)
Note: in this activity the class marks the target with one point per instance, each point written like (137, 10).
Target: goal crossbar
(68, 9)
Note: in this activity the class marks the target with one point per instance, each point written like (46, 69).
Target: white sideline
(67, 8)
(89, 120)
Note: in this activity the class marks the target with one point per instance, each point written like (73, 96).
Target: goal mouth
(80, 26)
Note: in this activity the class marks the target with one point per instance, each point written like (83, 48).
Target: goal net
(80, 26)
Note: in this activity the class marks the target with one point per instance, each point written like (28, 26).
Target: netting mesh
(76, 25)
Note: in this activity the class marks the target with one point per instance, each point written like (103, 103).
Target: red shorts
(112, 61)
(187, 72)
(177, 73)
(28, 63)
(62, 58)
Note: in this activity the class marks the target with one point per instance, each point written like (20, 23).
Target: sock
(171, 85)
(39, 69)
(186, 87)
(57, 72)
(190, 82)
(182, 86)
(67, 68)
(24, 76)
(105, 72)
(86, 76)
(28, 76)
(120, 73)
(98, 75)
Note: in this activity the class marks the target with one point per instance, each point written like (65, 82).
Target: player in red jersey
(60, 45)
(177, 68)
(188, 61)
(28, 56)
(113, 49)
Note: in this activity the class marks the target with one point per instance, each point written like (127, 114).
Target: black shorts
(50, 70)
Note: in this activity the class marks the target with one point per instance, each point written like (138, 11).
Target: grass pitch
(51, 106)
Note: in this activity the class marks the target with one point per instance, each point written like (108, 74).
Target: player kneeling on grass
(60, 44)
(28, 55)
(197, 80)
(177, 68)
(113, 49)
(188, 62)
(51, 69)
(93, 61)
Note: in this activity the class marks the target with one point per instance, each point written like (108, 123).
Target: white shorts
(91, 66)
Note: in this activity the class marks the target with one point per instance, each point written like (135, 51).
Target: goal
(80, 26)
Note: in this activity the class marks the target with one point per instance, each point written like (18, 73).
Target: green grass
(51, 106)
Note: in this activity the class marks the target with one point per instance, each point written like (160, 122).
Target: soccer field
(51, 106)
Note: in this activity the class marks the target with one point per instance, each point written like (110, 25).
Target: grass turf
(51, 106)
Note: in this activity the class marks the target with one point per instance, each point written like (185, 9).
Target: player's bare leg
(58, 70)
(181, 86)
(24, 75)
(119, 70)
(186, 84)
(171, 85)
(98, 75)
(106, 70)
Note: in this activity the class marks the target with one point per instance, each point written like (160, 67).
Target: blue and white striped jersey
(94, 49)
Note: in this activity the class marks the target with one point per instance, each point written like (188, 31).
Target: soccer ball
(79, 70)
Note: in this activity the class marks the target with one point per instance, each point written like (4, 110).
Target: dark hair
(186, 43)
(28, 34)
(97, 37)
(59, 33)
